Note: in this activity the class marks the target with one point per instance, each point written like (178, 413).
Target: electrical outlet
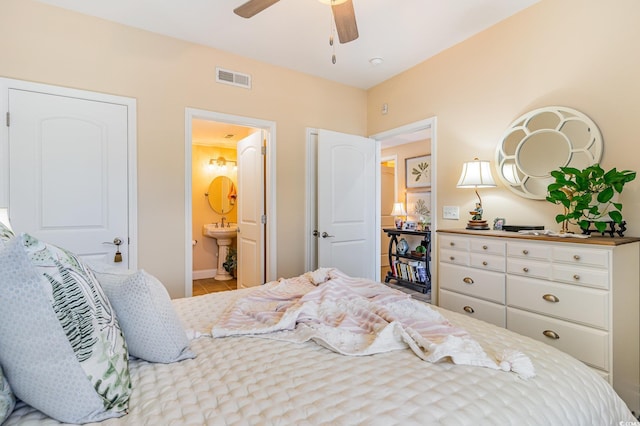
(450, 212)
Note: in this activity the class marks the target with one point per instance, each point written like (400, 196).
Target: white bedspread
(248, 381)
(355, 316)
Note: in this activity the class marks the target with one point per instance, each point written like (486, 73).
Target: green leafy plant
(588, 195)
(231, 261)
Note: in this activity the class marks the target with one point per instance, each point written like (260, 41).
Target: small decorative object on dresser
(498, 223)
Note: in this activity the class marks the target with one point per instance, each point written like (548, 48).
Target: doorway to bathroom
(230, 214)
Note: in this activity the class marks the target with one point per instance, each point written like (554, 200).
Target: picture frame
(498, 223)
(409, 226)
(418, 205)
(418, 172)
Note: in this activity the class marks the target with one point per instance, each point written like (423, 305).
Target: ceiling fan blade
(345, 18)
(253, 7)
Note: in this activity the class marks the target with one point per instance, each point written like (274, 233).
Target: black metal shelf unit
(407, 269)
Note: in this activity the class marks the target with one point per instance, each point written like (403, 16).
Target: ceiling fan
(343, 15)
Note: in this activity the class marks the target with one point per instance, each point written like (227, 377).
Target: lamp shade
(398, 210)
(476, 174)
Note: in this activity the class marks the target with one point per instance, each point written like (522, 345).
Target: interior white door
(250, 242)
(346, 205)
(68, 172)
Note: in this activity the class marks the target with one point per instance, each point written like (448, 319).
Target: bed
(242, 380)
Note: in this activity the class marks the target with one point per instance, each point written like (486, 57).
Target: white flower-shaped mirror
(544, 140)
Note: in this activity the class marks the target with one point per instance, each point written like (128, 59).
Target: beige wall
(45, 44)
(577, 53)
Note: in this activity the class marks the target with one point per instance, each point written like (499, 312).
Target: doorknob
(117, 242)
(325, 235)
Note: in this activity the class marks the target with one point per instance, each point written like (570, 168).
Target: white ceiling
(294, 33)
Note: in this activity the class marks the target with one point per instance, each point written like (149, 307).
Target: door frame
(271, 247)
(428, 123)
(130, 103)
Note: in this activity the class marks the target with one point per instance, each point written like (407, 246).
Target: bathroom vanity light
(221, 163)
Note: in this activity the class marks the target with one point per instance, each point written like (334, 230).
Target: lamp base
(478, 225)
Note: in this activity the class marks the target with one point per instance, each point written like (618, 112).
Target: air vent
(233, 78)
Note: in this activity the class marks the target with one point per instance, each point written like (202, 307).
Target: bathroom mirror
(541, 141)
(222, 195)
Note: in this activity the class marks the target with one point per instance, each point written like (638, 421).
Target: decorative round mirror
(222, 195)
(544, 140)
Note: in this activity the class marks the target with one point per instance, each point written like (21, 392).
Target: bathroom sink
(210, 230)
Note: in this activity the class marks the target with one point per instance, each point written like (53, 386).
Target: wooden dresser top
(598, 240)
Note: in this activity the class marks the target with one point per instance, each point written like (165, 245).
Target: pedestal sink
(224, 237)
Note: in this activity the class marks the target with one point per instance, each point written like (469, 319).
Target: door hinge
(263, 219)
(263, 150)
(8, 119)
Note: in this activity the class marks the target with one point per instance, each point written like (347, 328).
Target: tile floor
(209, 285)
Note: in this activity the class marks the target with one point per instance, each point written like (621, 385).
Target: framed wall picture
(418, 172)
(419, 206)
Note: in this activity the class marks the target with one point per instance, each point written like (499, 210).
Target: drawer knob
(468, 309)
(484, 247)
(551, 334)
(576, 277)
(467, 280)
(452, 244)
(576, 257)
(451, 258)
(525, 269)
(525, 252)
(551, 298)
(484, 263)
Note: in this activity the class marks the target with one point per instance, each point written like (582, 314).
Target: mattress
(256, 381)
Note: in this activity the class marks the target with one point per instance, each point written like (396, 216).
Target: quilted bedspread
(245, 380)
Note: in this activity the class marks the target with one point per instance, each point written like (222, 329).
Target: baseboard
(204, 273)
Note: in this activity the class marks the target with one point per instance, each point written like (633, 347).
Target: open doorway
(212, 198)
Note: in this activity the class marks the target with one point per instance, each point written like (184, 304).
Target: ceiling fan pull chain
(331, 43)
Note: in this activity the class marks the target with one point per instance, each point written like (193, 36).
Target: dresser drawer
(475, 308)
(580, 256)
(529, 268)
(455, 257)
(586, 344)
(584, 305)
(529, 251)
(487, 261)
(473, 282)
(488, 246)
(454, 243)
(581, 276)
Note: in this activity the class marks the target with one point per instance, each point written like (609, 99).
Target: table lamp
(398, 210)
(476, 174)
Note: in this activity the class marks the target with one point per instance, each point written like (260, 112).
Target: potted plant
(589, 196)
(231, 261)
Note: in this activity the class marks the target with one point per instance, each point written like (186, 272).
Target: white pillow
(62, 349)
(150, 325)
(6, 233)
(7, 400)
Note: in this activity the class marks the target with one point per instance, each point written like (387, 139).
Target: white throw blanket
(354, 316)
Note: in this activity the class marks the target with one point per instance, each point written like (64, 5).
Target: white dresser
(579, 295)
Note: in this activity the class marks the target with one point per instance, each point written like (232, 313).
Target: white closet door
(69, 172)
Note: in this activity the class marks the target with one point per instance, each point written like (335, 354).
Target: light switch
(451, 212)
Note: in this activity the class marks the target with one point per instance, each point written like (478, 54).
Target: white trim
(271, 246)
(410, 128)
(201, 274)
(311, 252)
(132, 168)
